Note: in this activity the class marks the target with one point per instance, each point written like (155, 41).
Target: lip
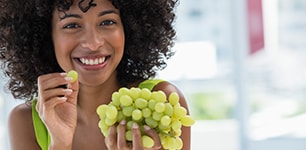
(92, 62)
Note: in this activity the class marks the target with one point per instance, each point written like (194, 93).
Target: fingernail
(123, 122)
(68, 91)
(63, 74)
(135, 126)
(146, 127)
(68, 78)
(63, 98)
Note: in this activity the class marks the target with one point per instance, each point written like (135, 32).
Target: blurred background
(240, 64)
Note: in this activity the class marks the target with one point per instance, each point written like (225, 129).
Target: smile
(92, 61)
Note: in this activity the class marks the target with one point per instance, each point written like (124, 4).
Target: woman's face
(89, 38)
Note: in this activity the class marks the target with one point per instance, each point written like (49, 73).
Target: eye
(107, 22)
(71, 26)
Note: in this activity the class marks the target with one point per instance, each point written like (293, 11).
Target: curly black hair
(26, 47)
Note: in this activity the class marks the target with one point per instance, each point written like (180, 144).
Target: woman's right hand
(57, 108)
(116, 139)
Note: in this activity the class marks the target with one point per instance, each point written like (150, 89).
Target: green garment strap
(150, 83)
(41, 133)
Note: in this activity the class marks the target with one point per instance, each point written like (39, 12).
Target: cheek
(119, 40)
(120, 47)
(62, 48)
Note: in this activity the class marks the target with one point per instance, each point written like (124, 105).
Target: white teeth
(94, 61)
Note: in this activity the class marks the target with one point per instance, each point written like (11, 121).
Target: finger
(52, 80)
(49, 105)
(153, 134)
(57, 92)
(111, 139)
(50, 94)
(137, 141)
(121, 135)
(48, 82)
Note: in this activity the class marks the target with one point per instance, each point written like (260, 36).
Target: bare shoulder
(167, 87)
(20, 116)
(21, 130)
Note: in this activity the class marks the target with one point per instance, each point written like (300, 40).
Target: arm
(21, 130)
(168, 88)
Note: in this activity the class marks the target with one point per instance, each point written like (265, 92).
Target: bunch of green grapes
(154, 109)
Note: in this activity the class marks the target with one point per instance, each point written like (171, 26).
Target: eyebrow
(70, 16)
(78, 16)
(107, 12)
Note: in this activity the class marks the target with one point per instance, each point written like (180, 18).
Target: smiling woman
(109, 43)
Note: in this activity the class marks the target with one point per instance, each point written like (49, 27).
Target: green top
(41, 133)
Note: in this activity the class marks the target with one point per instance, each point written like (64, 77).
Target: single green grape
(146, 112)
(124, 91)
(151, 122)
(141, 103)
(112, 112)
(128, 135)
(187, 121)
(174, 98)
(179, 143)
(160, 107)
(127, 111)
(176, 125)
(168, 109)
(102, 124)
(134, 92)
(136, 114)
(101, 111)
(126, 100)
(165, 120)
(145, 93)
(104, 131)
(109, 121)
(116, 98)
(147, 141)
(73, 75)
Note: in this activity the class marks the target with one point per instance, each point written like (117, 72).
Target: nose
(92, 40)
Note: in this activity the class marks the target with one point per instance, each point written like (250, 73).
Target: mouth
(92, 61)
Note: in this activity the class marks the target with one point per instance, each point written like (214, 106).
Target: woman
(111, 44)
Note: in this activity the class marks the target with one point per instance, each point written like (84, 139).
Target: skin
(70, 113)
